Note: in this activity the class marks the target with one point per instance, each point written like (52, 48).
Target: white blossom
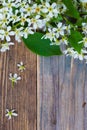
(36, 9)
(71, 52)
(27, 9)
(14, 17)
(50, 9)
(36, 22)
(64, 40)
(5, 46)
(6, 33)
(60, 29)
(27, 31)
(21, 66)
(10, 113)
(84, 41)
(50, 34)
(14, 77)
(18, 34)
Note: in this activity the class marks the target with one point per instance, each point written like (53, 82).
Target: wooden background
(52, 94)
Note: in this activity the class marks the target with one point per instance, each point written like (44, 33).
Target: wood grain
(22, 97)
(61, 94)
(52, 94)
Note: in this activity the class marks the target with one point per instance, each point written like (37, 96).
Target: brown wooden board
(22, 97)
(52, 94)
(61, 94)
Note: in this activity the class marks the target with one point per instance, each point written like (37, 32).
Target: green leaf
(57, 19)
(38, 1)
(74, 38)
(80, 21)
(71, 10)
(41, 46)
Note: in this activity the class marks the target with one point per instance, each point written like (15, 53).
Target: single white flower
(47, 18)
(14, 78)
(69, 51)
(14, 17)
(10, 113)
(4, 21)
(21, 66)
(35, 22)
(50, 9)
(5, 46)
(84, 41)
(8, 4)
(27, 31)
(22, 5)
(27, 9)
(4, 11)
(36, 8)
(79, 56)
(18, 34)
(23, 18)
(6, 33)
(50, 35)
(64, 40)
(60, 29)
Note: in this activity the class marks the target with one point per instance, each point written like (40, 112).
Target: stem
(12, 84)
(16, 25)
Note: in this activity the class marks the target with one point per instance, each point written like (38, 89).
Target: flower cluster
(57, 35)
(21, 18)
(56, 20)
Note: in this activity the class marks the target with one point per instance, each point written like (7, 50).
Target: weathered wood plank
(61, 94)
(22, 97)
